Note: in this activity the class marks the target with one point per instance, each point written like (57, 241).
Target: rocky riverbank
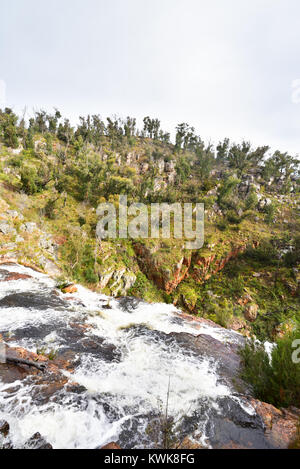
(106, 366)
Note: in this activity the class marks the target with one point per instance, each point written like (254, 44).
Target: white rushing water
(123, 381)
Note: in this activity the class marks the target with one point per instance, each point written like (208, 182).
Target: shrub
(276, 381)
(222, 225)
(233, 218)
(29, 180)
(140, 287)
(226, 192)
(224, 313)
(270, 211)
(292, 258)
(251, 201)
(188, 295)
(80, 258)
(237, 285)
(266, 253)
(49, 209)
(119, 185)
(157, 155)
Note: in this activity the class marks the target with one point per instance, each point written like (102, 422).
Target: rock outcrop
(251, 312)
(281, 426)
(4, 428)
(69, 289)
(37, 441)
(165, 279)
(206, 267)
(111, 446)
(199, 267)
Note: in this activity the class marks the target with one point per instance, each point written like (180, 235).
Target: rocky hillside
(246, 276)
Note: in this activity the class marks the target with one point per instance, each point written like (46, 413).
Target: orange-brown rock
(281, 425)
(236, 324)
(12, 260)
(284, 329)
(60, 240)
(167, 281)
(199, 267)
(251, 312)
(69, 289)
(233, 445)
(206, 267)
(12, 276)
(33, 267)
(245, 300)
(112, 445)
(187, 443)
(8, 260)
(13, 372)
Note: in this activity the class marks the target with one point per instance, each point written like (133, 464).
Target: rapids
(128, 360)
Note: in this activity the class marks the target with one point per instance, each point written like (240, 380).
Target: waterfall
(125, 355)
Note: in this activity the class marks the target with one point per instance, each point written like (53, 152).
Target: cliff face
(200, 268)
(205, 267)
(166, 279)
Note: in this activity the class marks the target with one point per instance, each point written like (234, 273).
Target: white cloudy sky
(224, 66)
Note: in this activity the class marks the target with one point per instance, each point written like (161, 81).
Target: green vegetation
(296, 443)
(145, 289)
(276, 381)
(251, 198)
(246, 276)
(50, 354)
(224, 297)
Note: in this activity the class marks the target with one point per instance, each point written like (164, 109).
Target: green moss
(145, 289)
(187, 294)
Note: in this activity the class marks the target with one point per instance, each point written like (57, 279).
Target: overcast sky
(227, 67)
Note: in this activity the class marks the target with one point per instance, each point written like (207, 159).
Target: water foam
(136, 384)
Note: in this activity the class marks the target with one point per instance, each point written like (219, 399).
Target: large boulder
(46, 242)
(169, 166)
(6, 228)
(37, 442)
(69, 288)
(29, 227)
(14, 214)
(118, 281)
(281, 426)
(49, 266)
(264, 203)
(251, 312)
